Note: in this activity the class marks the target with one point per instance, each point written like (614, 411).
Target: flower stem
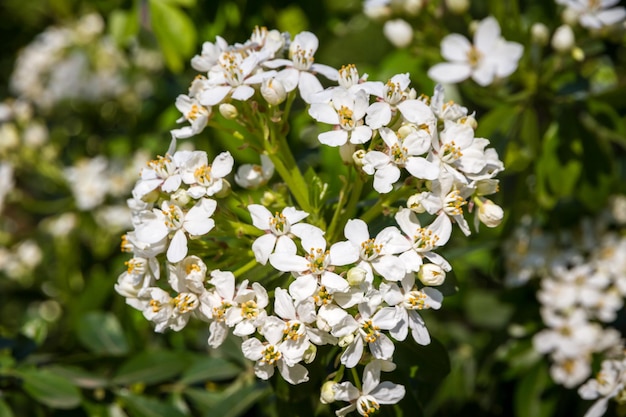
(245, 268)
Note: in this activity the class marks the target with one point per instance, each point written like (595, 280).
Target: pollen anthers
(474, 56)
(322, 297)
(367, 406)
(370, 250)
(398, 154)
(161, 165)
(370, 331)
(450, 152)
(424, 239)
(348, 76)
(193, 113)
(219, 313)
(302, 58)
(393, 93)
(203, 175)
(156, 305)
(173, 216)
(317, 260)
(249, 310)
(136, 266)
(416, 300)
(230, 64)
(185, 302)
(125, 245)
(453, 203)
(271, 355)
(294, 330)
(279, 225)
(192, 268)
(346, 118)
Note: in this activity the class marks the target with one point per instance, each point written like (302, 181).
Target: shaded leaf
(210, 369)
(239, 401)
(151, 368)
(102, 333)
(79, 377)
(174, 31)
(141, 406)
(50, 389)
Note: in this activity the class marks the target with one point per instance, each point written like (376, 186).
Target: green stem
(377, 208)
(343, 214)
(245, 268)
(357, 380)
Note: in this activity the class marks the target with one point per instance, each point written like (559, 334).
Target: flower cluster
(582, 289)
(297, 276)
(81, 62)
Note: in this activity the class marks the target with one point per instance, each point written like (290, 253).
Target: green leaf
(174, 31)
(239, 401)
(5, 411)
(102, 334)
(123, 25)
(210, 369)
(141, 406)
(151, 368)
(529, 396)
(182, 3)
(50, 389)
(484, 309)
(79, 376)
(203, 399)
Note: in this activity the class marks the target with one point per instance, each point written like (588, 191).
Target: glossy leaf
(50, 389)
(102, 334)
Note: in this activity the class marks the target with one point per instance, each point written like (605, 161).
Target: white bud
(539, 33)
(181, 197)
(457, 6)
(431, 274)
(346, 340)
(563, 39)
(490, 213)
(413, 7)
(322, 324)
(273, 91)
(487, 186)
(310, 353)
(398, 32)
(346, 151)
(356, 276)
(358, 156)
(570, 16)
(327, 394)
(228, 111)
(415, 203)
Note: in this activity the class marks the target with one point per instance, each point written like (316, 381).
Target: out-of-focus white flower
(595, 14)
(87, 180)
(490, 57)
(252, 176)
(399, 32)
(457, 6)
(563, 39)
(367, 400)
(607, 384)
(539, 33)
(6, 182)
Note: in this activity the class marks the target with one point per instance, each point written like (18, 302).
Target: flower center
(322, 297)
(369, 331)
(136, 266)
(415, 300)
(453, 203)
(367, 405)
(294, 330)
(424, 240)
(474, 56)
(346, 120)
(162, 166)
(318, 260)
(219, 313)
(370, 250)
(173, 217)
(125, 245)
(450, 152)
(230, 64)
(393, 94)
(279, 225)
(156, 306)
(302, 59)
(203, 175)
(249, 310)
(348, 76)
(185, 302)
(271, 355)
(398, 154)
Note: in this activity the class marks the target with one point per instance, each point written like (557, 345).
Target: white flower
(423, 240)
(401, 152)
(563, 39)
(373, 392)
(163, 172)
(172, 219)
(373, 254)
(399, 32)
(209, 55)
(6, 181)
(300, 67)
(209, 179)
(488, 58)
(447, 197)
(193, 112)
(248, 313)
(607, 384)
(87, 180)
(346, 112)
(219, 301)
(273, 353)
(595, 14)
(489, 213)
(278, 227)
(252, 176)
(396, 95)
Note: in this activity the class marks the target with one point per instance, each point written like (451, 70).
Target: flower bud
(398, 32)
(490, 213)
(228, 111)
(563, 39)
(540, 34)
(414, 203)
(570, 16)
(358, 156)
(346, 340)
(180, 197)
(431, 274)
(487, 186)
(327, 394)
(469, 121)
(413, 7)
(346, 151)
(322, 324)
(273, 91)
(457, 6)
(309, 354)
(356, 276)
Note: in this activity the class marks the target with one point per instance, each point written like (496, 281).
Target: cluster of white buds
(362, 291)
